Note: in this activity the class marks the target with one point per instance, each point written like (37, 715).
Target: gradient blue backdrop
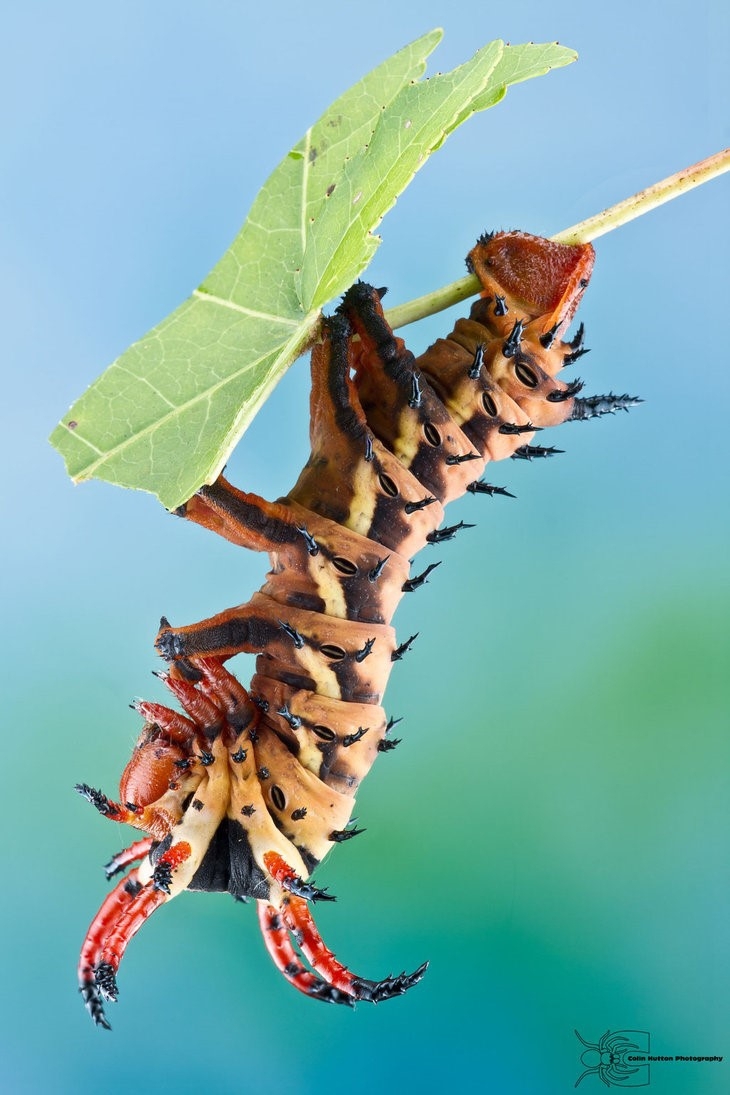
(552, 833)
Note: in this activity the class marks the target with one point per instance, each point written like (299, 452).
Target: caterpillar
(248, 789)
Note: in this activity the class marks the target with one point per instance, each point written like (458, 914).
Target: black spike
(162, 877)
(392, 722)
(361, 655)
(386, 744)
(511, 428)
(294, 721)
(376, 991)
(415, 396)
(106, 982)
(298, 814)
(571, 358)
(593, 406)
(350, 739)
(577, 340)
(414, 583)
(298, 886)
(239, 756)
(439, 535)
(339, 836)
(164, 622)
(377, 570)
(206, 759)
(560, 395)
(412, 507)
(500, 305)
(476, 366)
(452, 460)
(96, 798)
(510, 347)
(293, 634)
(486, 237)
(401, 650)
(479, 486)
(92, 1003)
(381, 292)
(548, 338)
(368, 448)
(535, 452)
(312, 545)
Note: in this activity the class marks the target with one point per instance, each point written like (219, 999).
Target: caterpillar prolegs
(248, 790)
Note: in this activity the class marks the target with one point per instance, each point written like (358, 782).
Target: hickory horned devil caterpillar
(248, 790)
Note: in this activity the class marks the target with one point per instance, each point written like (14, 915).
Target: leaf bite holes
(332, 652)
(489, 405)
(278, 797)
(388, 485)
(431, 434)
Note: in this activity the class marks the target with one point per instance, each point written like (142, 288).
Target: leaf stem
(613, 217)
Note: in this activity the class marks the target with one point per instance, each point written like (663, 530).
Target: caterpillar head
(537, 280)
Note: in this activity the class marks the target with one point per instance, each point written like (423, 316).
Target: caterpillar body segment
(248, 790)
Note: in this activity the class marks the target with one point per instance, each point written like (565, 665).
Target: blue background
(552, 833)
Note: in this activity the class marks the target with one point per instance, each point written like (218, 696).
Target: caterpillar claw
(92, 1002)
(374, 992)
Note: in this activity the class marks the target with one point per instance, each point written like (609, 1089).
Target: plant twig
(613, 217)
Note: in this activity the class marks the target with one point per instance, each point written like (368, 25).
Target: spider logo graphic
(610, 1058)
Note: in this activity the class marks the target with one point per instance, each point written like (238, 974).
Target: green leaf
(519, 63)
(165, 415)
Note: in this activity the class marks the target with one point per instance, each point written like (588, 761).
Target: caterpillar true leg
(234, 631)
(245, 519)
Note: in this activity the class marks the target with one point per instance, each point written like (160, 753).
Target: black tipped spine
(595, 406)
(480, 486)
(535, 452)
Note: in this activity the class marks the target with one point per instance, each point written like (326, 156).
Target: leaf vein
(212, 299)
(201, 397)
